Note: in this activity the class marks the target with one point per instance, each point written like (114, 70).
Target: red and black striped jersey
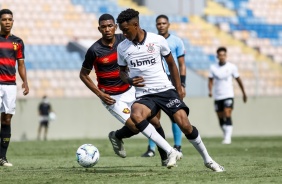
(104, 60)
(11, 49)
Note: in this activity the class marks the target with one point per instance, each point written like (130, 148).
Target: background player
(44, 109)
(116, 95)
(11, 52)
(221, 78)
(178, 52)
(140, 60)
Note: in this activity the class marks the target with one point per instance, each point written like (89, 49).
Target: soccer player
(220, 76)
(116, 95)
(44, 110)
(178, 52)
(11, 52)
(140, 61)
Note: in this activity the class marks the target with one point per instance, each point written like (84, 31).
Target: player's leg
(139, 115)
(219, 108)
(39, 130)
(177, 136)
(228, 127)
(178, 111)
(152, 145)
(8, 108)
(46, 125)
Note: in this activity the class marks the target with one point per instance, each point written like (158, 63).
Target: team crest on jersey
(150, 47)
(16, 45)
(126, 111)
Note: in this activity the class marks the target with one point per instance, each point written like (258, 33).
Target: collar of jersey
(142, 42)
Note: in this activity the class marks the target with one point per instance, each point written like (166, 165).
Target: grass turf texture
(246, 160)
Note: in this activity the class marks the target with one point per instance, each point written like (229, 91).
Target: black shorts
(168, 101)
(219, 105)
(44, 123)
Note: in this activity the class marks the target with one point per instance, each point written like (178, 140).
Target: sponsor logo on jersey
(105, 60)
(126, 111)
(148, 61)
(175, 102)
(150, 47)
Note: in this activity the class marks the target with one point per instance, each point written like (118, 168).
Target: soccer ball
(87, 155)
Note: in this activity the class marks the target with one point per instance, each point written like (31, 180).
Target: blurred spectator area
(250, 29)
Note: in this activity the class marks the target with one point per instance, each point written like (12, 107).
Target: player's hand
(136, 81)
(210, 94)
(107, 99)
(25, 87)
(244, 98)
(180, 93)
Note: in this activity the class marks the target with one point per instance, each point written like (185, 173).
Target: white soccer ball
(87, 155)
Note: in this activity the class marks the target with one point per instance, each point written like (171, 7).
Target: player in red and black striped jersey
(11, 52)
(116, 95)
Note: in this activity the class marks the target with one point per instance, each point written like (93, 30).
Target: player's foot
(226, 141)
(148, 153)
(164, 162)
(178, 148)
(173, 157)
(214, 166)
(4, 162)
(117, 145)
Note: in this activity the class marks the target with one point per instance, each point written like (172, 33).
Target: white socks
(199, 145)
(227, 131)
(150, 132)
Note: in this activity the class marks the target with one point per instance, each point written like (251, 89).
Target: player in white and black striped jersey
(140, 60)
(220, 80)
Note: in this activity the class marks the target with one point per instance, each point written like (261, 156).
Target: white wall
(87, 118)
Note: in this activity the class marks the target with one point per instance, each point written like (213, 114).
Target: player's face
(6, 23)
(129, 30)
(222, 56)
(107, 28)
(162, 26)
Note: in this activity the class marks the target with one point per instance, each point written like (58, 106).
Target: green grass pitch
(246, 160)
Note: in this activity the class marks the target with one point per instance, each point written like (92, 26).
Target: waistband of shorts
(120, 92)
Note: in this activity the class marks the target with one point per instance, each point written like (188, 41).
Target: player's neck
(109, 42)
(166, 35)
(221, 63)
(139, 37)
(5, 34)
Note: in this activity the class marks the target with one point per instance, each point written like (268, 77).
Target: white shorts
(121, 109)
(8, 94)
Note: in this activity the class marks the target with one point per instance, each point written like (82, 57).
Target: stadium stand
(250, 30)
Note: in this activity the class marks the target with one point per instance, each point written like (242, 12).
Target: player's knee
(6, 121)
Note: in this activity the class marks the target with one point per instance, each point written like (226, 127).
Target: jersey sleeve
(165, 50)
(235, 72)
(90, 57)
(211, 73)
(180, 50)
(20, 50)
(121, 60)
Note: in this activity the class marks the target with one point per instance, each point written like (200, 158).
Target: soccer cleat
(173, 157)
(148, 153)
(214, 166)
(4, 162)
(178, 148)
(117, 145)
(226, 141)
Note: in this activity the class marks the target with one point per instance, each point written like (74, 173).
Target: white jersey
(145, 60)
(222, 80)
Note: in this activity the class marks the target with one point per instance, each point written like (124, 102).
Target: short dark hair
(5, 11)
(162, 16)
(106, 17)
(221, 49)
(127, 15)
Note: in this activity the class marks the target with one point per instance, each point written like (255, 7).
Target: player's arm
(85, 78)
(174, 74)
(134, 81)
(182, 71)
(238, 79)
(22, 73)
(210, 83)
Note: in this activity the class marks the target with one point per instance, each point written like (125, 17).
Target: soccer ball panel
(87, 155)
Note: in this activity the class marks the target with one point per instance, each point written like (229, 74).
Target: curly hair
(127, 15)
(220, 49)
